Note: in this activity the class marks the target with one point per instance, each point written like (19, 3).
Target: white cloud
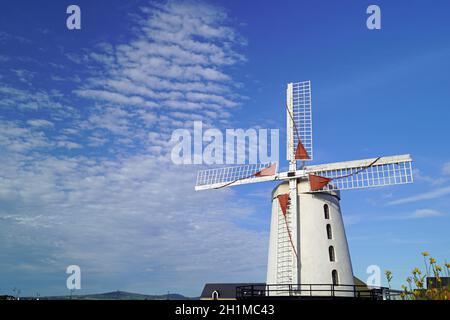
(177, 60)
(40, 123)
(30, 99)
(95, 141)
(121, 207)
(196, 96)
(115, 120)
(127, 216)
(114, 97)
(16, 138)
(446, 168)
(68, 144)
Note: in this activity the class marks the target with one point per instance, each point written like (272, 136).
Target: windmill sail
(357, 174)
(299, 121)
(236, 175)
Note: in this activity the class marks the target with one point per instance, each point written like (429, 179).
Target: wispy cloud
(427, 213)
(433, 194)
(417, 214)
(5, 36)
(424, 213)
(434, 181)
(24, 75)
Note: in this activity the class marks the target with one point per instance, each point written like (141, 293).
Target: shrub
(418, 289)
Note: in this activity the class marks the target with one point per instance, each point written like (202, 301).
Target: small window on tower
(330, 236)
(331, 252)
(334, 276)
(326, 210)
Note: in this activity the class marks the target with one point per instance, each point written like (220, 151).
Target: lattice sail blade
(299, 121)
(375, 172)
(236, 175)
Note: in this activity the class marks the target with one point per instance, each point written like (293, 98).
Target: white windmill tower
(308, 251)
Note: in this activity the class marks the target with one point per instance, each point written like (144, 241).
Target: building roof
(225, 290)
(432, 282)
(228, 290)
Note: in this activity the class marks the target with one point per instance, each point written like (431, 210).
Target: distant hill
(118, 295)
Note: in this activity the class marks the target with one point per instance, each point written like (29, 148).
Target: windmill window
(334, 277)
(331, 253)
(329, 234)
(326, 211)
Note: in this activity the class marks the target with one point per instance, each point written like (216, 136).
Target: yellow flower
(438, 268)
(416, 271)
(419, 283)
(425, 254)
(388, 275)
(447, 265)
(432, 260)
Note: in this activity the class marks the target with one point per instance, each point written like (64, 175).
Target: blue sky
(86, 117)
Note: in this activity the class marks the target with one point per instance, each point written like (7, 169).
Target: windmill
(308, 245)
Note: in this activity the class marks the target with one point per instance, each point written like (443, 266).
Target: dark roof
(225, 290)
(359, 282)
(432, 282)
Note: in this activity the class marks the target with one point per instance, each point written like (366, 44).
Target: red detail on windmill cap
(318, 182)
(283, 199)
(268, 171)
(300, 152)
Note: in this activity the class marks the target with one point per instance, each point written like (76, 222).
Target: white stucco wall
(315, 266)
